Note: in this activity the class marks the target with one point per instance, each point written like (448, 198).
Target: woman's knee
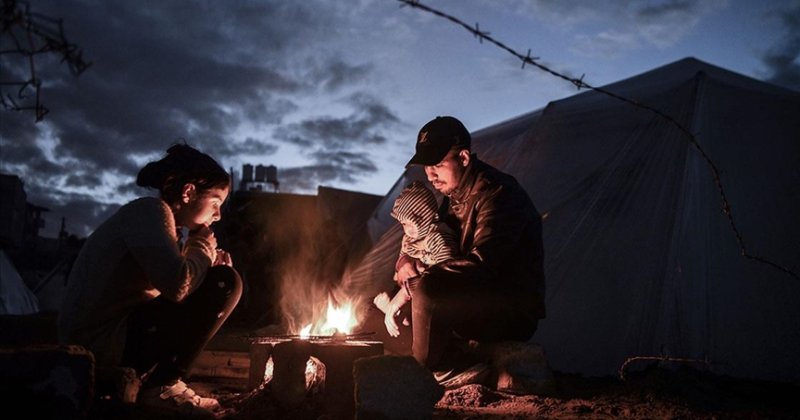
(227, 280)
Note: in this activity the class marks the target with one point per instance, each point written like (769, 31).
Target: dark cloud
(253, 146)
(335, 144)
(667, 9)
(334, 74)
(193, 71)
(782, 58)
(362, 127)
(341, 166)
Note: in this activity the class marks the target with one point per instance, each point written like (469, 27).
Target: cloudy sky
(332, 92)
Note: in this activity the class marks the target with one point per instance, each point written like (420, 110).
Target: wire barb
(31, 34)
(580, 83)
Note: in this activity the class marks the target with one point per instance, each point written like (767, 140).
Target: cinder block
(394, 387)
(232, 365)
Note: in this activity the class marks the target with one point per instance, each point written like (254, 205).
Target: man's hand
(406, 268)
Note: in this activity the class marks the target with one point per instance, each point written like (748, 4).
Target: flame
(306, 331)
(339, 319)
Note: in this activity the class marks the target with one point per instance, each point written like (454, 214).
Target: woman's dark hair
(182, 165)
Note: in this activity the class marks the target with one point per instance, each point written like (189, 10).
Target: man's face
(445, 175)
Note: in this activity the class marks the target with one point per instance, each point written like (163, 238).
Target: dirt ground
(652, 394)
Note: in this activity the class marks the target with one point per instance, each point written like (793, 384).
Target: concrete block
(394, 387)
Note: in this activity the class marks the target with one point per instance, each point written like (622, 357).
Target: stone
(47, 381)
(521, 368)
(119, 383)
(394, 387)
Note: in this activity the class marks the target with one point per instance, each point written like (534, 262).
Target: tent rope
(581, 84)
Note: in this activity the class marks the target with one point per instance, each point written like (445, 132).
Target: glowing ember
(314, 373)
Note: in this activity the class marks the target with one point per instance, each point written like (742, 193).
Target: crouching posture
(493, 289)
(141, 295)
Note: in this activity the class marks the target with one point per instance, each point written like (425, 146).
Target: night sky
(333, 92)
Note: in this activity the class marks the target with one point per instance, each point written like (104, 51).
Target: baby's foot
(382, 301)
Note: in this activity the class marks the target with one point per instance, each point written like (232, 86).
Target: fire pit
(295, 366)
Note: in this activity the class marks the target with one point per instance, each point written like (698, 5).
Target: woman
(141, 296)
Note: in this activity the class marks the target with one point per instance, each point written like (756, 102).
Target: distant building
(258, 181)
(20, 221)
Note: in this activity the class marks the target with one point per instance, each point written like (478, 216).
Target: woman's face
(200, 208)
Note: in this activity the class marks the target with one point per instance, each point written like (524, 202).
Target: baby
(423, 239)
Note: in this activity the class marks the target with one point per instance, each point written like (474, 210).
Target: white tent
(640, 259)
(15, 297)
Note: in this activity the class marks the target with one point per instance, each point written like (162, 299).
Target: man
(494, 289)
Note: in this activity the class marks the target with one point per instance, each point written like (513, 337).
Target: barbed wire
(660, 359)
(31, 34)
(579, 83)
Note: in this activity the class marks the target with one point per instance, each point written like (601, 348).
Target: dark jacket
(500, 236)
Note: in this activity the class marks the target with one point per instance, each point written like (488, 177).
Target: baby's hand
(391, 326)
(420, 266)
(382, 301)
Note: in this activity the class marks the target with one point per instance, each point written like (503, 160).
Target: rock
(47, 381)
(394, 387)
(521, 368)
(119, 383)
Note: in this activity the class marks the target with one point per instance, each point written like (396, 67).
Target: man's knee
(425, 288)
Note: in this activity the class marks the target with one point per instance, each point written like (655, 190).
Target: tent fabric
(15, 297)
(640, 260)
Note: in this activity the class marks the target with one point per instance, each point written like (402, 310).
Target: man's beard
(443, 191)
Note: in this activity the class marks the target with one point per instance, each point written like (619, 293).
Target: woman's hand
(203, 237)
(205, 233)
(223, 258)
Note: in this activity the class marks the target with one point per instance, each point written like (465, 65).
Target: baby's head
(415, 208)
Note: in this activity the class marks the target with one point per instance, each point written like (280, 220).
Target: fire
(306, 331)
(339, 319)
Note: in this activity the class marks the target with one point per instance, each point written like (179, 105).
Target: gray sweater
(130, 259)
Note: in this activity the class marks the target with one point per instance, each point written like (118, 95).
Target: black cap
(436, 138)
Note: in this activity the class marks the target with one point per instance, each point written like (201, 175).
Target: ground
(652, 394)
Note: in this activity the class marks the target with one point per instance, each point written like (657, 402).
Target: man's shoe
(178, 398)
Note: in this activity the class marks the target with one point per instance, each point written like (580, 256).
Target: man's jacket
(500, 235)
